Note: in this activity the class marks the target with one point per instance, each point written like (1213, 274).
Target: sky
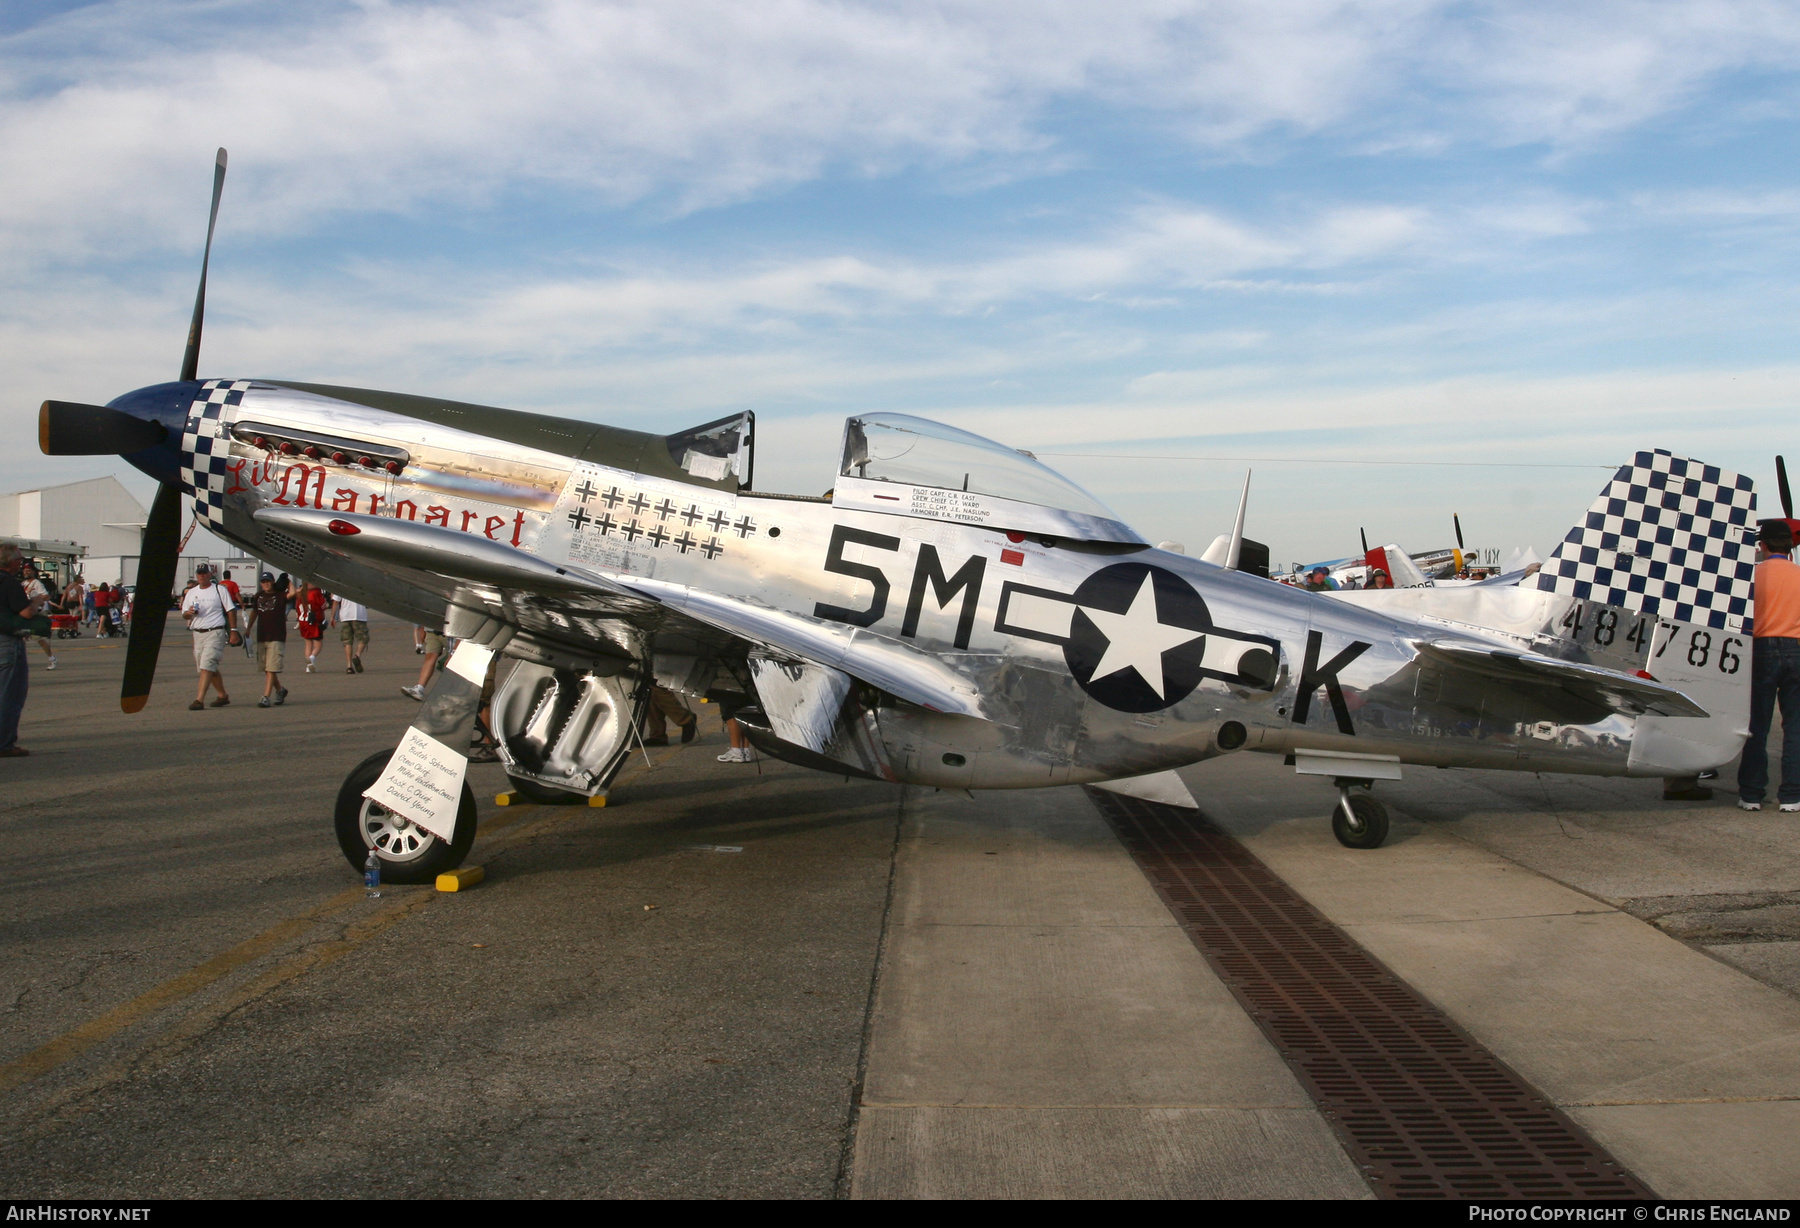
(1401, 258)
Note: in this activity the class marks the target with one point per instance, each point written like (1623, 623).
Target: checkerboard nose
(205, 452)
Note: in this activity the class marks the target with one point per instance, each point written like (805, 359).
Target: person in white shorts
(353, 627)
(207, 608)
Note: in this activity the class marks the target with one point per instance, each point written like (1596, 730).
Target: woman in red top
(102, 614)
(309, 609)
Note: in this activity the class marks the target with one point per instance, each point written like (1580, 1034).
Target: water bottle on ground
(372, 876)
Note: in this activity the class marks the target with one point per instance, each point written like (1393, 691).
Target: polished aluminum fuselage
(880, 585)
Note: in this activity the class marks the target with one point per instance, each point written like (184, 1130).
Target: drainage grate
(1424, 1109)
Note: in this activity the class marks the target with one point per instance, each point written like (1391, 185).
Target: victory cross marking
(585, 491)
(579, 518)
(1136, 639)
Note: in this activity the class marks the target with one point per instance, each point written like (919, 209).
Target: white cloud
(109, 113)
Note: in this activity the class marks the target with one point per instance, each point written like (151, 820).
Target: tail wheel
(1365, 827)
(409, 853)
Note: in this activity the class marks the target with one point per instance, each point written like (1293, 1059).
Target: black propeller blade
(160, 553)
(1787, 497)
(190, 361)
(1365, 539)
(1457, 520)
(155, 584)
(66, 428)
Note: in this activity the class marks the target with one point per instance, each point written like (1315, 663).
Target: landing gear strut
(1358, 822)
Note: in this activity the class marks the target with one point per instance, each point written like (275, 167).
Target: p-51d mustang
(953, 614)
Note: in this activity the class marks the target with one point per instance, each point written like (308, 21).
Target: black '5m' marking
(1312, 674)
(967, 581)
(842, 535)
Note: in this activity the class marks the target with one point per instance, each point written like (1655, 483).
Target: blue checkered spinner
(206, 446)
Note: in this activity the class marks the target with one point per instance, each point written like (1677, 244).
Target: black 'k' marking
(1312, 675)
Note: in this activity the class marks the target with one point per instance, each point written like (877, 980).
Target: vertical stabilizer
(1670, 538)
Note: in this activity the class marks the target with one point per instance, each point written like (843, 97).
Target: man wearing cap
(1774, 671)
(207, 608)
(269, 608)
(1319, 580)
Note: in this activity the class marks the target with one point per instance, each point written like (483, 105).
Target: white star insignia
(1136, 639)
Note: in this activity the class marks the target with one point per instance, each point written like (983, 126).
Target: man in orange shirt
(1775, 671)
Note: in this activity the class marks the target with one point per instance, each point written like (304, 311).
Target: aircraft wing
(382, 541)
(404, 543)
(1627, 694)
(914, 676)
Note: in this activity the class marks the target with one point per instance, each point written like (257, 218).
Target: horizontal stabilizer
(1164, 787)
(1623, 693)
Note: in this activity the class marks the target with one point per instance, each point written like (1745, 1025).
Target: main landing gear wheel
(409, 853)
(1364, 827)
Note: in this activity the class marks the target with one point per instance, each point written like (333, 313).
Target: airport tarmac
(756, 980)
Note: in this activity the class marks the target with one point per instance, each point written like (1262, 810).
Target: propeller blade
(1787, 497)
(1457, 520)
(190, 361)
(1235, 552)
(66, 428)
(157, 560)
(1365, 539)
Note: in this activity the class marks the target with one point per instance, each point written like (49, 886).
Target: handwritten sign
(423, 782)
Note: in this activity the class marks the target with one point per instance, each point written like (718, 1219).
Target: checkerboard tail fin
(1669, 537)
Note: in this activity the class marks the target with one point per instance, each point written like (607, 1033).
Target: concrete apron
(1686, 1069)
(1043, 1029)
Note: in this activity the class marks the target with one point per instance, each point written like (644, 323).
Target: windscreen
(918, 452)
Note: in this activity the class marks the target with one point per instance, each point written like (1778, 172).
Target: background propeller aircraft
(952, 614)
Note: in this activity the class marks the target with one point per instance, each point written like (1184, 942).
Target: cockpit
(915, 467)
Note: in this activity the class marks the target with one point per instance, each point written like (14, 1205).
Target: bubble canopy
(912, 466)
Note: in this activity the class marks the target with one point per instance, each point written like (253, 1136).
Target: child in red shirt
(310, 611)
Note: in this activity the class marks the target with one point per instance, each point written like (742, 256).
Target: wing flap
(1626, 694)
(914, 676)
